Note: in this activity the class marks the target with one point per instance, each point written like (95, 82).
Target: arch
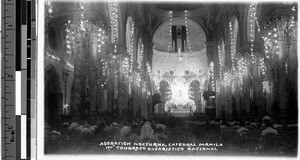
(165, 57)
(168, 80)
(130, 41)
(199, 33)
(166, 20)
(190, 80)
(52, 76)
(221, 56)
(129, 31)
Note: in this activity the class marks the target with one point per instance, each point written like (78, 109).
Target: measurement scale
(8, 116)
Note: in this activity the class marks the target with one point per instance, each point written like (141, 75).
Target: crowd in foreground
(262, 136)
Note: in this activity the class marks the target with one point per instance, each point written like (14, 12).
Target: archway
(53, 95)
(190, 53)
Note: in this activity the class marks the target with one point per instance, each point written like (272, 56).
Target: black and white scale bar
(18, 137)
(30, 15)
(18, 34)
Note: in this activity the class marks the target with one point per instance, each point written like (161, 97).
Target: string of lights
(252, 28)
(220, 61)
(128, 62)
(113, 6)
(139, 62)
(141, 53)
(211, 75)
(149, 71)
(232, 31)
(188, 38)
(241, 71)
(82, 34)
(170, 40)
(53, 57)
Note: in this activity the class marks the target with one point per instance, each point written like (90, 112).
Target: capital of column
(116, 49)
(210, 49)
(245, 47)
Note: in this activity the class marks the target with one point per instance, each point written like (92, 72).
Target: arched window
(130, 40)
(221, 55)
(129, 32)
(233, 31)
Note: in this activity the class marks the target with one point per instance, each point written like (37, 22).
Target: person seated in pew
(242, 128)
(278, 124)
(146, 132)
(268, 128)
(160, 136)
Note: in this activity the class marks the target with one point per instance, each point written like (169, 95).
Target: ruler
(8, 39)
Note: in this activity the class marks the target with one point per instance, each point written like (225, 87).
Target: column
(254, 99)
(116, 94)
(148, 45)
(78, 82)
(65, 76)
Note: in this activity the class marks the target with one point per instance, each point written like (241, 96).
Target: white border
(40, 103)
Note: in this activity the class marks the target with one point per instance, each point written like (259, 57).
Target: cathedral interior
(201, 70)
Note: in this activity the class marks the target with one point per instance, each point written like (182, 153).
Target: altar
(181, 107)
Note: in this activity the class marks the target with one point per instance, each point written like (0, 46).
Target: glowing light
(211, 75)
(241, 71)
(49, 7)
(266, 87)
(262, 67)
(180, 98)
(138, 79)
(233, 39)
(252, 19)
(113, 6)
(53, 57)
(188, 36)
(180, 91)
(130, 49)
(233, 87)
(220, 61)
(127, 63)
(81, 29)
(70, 65)
(149, 69)
(170, 38)
(276, 33)
(226, 79)
(141, 54)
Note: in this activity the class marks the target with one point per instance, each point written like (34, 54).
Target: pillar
(78, 82)
(253, 81)
(116, 92)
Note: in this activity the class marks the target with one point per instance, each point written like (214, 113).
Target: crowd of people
(239, 133)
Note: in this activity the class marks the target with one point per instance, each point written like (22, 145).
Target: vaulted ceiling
(197, 36)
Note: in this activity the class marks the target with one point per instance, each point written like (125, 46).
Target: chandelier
(86, 37)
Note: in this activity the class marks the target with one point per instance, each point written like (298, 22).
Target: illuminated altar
(180, 104)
